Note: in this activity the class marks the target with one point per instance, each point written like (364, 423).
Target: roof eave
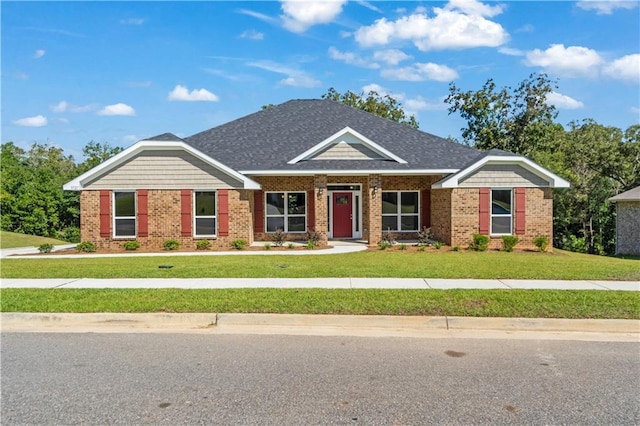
(78, 184)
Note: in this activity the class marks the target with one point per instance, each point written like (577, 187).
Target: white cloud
(37, 121)
(132, 21)
(510, 51)
(460, 24)
(635, 110)
(421, 72)
(62, 120)
(391, 56)
(64, 106)
(409, 105)
(351, 58)
(561, 101)
(300, 81)
(626, 68)
(39, 54)
(301, 15)
(606, 7)
(181, 93)
(117, 109)
(474, 7)
(572, 61)
(368, 5)
(295, 77)
(258, 15)
(252, 35)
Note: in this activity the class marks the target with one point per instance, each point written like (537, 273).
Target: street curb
(97, 322)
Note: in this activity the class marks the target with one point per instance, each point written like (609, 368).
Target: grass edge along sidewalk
(559, 265)
(570, 304)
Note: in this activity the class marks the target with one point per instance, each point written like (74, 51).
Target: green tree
(32, 198)
(374, 103)
(96, 153)
(519, 121)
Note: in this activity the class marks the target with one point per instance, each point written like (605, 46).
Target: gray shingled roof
(165, 137)
(630, 195)
(268, 139)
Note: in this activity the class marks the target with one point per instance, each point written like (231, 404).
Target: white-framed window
(400, 211)
(124, 214)
(204, 213)
(501, 212)
(286, 211)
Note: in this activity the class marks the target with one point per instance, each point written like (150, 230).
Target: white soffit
(335, 138)
(78, 183)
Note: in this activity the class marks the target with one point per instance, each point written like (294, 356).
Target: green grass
(14, 240)
(399, 264)
(476, 303)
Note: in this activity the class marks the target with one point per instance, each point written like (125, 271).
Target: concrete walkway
(336, 283)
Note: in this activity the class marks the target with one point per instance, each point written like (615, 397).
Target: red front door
(342, 215)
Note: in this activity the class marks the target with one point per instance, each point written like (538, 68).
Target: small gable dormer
(347, 144)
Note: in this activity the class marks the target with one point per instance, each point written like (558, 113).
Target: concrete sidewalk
(336, 283)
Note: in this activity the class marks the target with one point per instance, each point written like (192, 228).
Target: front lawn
(476, 303)
(397, 264)
(14, 240)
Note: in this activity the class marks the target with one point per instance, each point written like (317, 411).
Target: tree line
(599, 161)
(31, 197)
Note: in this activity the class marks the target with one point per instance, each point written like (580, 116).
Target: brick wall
(164, 220)
(464, 211)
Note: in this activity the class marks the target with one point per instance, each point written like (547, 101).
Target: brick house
(312, 165)
(628, 221)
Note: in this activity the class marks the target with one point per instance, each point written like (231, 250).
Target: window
(400, 211)
(204, 206)
(501, 211)
(124, 214)
(286, 211)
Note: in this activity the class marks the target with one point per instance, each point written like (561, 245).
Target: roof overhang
(454, 180)
(78, 184)
(385, 153)
(351, 172)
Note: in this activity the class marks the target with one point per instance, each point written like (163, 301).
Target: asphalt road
(299, 380)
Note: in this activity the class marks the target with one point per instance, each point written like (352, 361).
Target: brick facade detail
(454, 213)
(164, 223)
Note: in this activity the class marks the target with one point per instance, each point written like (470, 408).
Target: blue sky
(119, 72)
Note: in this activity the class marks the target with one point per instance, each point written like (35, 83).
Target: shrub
(70, 234)
(86, 247)
(278, 237)
(203, 245)
(45, 248)
(238, 244)
(455, 248)
(313, 238)
(290, 246)
(437, 245)
(171, 245)
(383, 245)
(402, 247)
(421, 248)
(424, 236)
(131, 245)
(509, 242)
(388, 238)
(541, 242)
(267, 246)
(480, 242)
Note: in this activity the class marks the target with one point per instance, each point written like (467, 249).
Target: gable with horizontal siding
(171, 169)
(502, 175)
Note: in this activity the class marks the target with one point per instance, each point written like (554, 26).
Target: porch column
(373, 211)
(321, 209)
